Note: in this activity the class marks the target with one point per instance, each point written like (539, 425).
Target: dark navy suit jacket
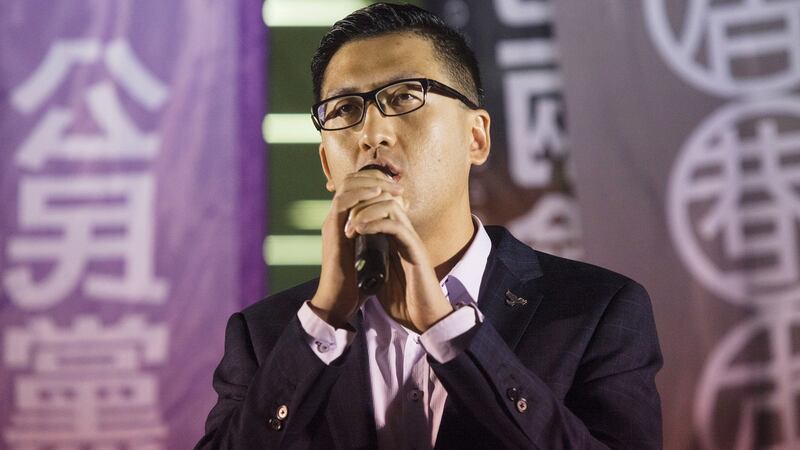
(582, 351)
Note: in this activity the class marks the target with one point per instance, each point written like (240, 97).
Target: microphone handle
(371, 262)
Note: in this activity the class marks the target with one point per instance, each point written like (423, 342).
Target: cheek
(340, 162)
(341, 167)
(447, 152)
(438, 164)
(437, 141)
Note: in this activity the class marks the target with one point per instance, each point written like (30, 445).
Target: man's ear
(323, 159)
(481, 139)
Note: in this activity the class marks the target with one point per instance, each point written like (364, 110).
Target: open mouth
(383, 168)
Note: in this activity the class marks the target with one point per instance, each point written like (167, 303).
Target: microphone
(371, 257)
(372, 262)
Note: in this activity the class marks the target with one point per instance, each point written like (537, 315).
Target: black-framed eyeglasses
(394, 99)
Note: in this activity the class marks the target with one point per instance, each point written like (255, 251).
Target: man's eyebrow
(354, 90)
(341, 91)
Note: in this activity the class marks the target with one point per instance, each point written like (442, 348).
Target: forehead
(364, 64)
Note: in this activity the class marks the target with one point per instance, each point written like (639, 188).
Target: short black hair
(450, 46)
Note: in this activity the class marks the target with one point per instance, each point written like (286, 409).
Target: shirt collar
(470, 268)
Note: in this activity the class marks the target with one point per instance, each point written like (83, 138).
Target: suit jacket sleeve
(612, 401)
(251, 391)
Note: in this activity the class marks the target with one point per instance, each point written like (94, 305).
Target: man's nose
(376, 129)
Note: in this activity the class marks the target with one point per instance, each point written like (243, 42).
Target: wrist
(436, 315)
(327, 312)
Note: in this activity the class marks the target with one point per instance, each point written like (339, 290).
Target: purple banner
(685, 121)
(131, 179)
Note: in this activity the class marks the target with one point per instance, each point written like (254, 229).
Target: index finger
(359, 180)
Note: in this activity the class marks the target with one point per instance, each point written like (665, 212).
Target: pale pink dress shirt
(407, 397)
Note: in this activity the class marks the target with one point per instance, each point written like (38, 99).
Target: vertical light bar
(307, 13)
(289, 129)
(288, 250)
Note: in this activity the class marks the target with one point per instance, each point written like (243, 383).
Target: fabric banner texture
(684, 152)
(131, 179)
(685, 129)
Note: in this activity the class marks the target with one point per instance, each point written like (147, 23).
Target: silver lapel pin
(513, 299)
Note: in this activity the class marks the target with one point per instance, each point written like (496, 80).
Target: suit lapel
(349, 413)
(510, 293)
(512, 267)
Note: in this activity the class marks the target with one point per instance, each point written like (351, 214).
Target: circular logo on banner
(734, 201)
(730, 48)
(747, 396)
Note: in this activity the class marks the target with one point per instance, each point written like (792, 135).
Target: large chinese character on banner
(91, 380)
(685, 125)
(733, 209)
(130, 213)
(527, 183)
(74, 205)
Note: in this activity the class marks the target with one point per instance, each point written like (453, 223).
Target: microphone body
(371, 262)
(372, 254)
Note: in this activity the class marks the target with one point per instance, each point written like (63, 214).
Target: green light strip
(293, 250)
(307, 13)
(289, 129)
(308, 214)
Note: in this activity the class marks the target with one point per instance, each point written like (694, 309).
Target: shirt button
(283, 412)
(522, 405)
(512, 394)
(323, 347)
(414, 395)
(275, 424)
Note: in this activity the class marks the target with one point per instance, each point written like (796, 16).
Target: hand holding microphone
(369, 206)
(360, 198)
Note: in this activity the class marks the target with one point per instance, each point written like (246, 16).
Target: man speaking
(469, 338)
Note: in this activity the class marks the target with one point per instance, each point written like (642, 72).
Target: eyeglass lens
(393, 100)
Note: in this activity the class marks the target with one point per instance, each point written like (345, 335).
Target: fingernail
(347, 226)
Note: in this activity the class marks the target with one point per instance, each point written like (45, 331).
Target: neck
(447, 244)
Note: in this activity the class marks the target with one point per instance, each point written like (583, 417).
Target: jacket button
(513, 394)
(522, 405)
(275, 424)
(283, 412)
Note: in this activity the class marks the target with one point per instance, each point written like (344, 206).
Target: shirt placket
(417, 394)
